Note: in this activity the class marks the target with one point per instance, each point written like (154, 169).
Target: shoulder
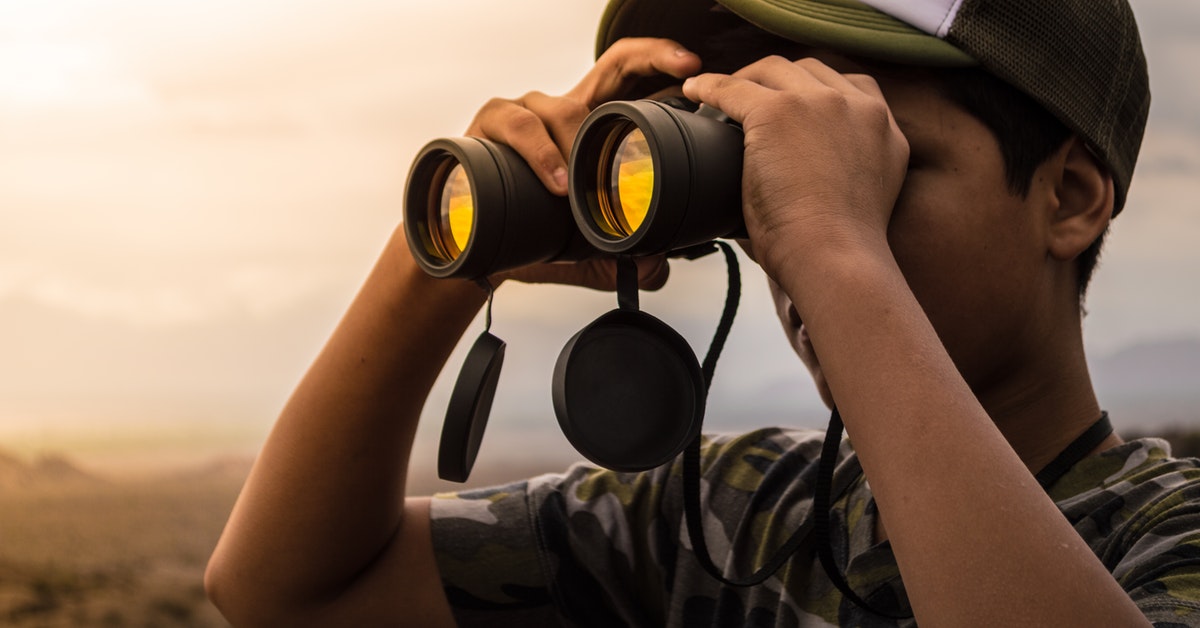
(1138, 507)
(1128, 479)
(1129, 491)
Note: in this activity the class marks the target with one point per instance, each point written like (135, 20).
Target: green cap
(1080, 59)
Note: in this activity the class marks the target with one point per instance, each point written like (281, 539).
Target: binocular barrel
(647, 178)
(644, 177)
(474, 207)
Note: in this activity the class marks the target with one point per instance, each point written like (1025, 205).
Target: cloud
(146, 298)
(196, 230)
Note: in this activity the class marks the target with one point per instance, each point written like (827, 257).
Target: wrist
(407, 283)
(831, 267)
(811, 253)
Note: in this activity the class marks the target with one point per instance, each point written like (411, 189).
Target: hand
(824, 158)
(541, 129)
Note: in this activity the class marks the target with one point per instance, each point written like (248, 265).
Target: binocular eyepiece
(645, 177)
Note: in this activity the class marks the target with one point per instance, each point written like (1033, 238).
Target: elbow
(239, 602)
(245, 599)
(222, 592)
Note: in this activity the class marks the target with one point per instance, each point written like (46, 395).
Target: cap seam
(948, 19)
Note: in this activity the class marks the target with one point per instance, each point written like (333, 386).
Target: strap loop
(627, 283)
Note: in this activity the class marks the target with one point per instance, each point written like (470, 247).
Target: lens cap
(470, 404)
(628, 391)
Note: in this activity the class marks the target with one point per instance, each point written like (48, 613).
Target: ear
(1084, 190)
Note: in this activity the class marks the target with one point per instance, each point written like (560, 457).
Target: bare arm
(322, 533)
(325, 500)
(977, 540)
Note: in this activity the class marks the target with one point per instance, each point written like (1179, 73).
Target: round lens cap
(470, 404)
(628, 391)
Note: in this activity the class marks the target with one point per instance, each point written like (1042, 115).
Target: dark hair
(1026, 133)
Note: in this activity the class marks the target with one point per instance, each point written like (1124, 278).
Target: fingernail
(688, 81)
(681, 52)
(560, 177)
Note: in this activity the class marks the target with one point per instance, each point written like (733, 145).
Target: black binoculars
(645, 177)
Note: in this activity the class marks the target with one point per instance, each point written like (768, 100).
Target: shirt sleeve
(1161, 569)
(488, 557)
(592, 547)
(1144, 520)
(577, 548)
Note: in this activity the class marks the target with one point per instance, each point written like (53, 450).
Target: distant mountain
(1164, 366)
(46, 471)
(1151, 385)
(222, 468)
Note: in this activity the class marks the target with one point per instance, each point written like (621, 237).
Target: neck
(1048, 403)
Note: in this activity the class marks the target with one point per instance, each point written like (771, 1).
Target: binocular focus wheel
(628, 392)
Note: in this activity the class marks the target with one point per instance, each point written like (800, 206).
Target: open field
(79, 550)
(90, 552)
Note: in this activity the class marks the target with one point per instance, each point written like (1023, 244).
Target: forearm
(326, 494)
(977, 540)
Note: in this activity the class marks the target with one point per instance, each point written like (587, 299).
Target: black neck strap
(825, 493)
(1076, 451)
(627, 283)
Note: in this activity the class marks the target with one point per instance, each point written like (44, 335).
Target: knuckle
(548, 155)
(522, 122)
(776, 61)
(493, 105)
(571, 112)
(532, 97)
(622, 47)
(560, 109)
(488, 109)
(710, 83)
(489, 115)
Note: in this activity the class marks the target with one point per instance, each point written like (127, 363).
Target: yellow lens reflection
(457, 212)
(632, 181)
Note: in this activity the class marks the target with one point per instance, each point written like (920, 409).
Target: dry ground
(92, 552)
(78, 550)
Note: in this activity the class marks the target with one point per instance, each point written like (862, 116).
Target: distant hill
(1152, 385)
(45, 471)
(223, 468)
(1169, 367)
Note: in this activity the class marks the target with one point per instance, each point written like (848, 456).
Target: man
(928, 272)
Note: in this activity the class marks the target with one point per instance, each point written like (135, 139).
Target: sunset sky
(192, 190)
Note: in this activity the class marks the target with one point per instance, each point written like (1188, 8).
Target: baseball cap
(1081, 60)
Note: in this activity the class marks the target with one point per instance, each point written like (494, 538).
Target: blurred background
(192, 191)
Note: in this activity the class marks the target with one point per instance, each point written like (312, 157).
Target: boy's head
(1034, 72)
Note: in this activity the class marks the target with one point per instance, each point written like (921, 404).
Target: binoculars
(645, 177)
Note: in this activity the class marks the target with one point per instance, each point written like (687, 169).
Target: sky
(191, 191)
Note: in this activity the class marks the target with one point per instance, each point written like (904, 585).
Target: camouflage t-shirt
(593, 547)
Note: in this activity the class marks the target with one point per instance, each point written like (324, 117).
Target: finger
(562, 117)
(866, 84)
(598, 273)
(732, 95)
(508, 122)
(780, 74)
(628, 60)
(653, 272)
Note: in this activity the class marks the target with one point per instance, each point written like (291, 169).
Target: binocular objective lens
(456, 214)
(630, 184)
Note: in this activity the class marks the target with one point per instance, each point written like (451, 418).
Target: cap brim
(843, 26)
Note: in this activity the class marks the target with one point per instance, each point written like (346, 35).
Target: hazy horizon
(193, 191)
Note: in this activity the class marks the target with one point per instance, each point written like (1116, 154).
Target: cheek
(966, 261)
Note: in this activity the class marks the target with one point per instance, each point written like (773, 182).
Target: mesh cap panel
(1080, 59)
(1098, 86)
